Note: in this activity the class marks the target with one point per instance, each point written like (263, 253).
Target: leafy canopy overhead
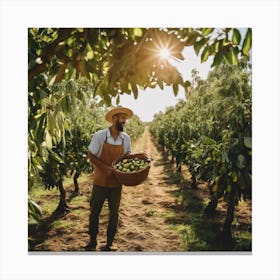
(120, 60)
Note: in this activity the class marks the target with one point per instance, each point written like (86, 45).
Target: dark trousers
(98, 196)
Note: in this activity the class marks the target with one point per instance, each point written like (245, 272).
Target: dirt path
(143, 209)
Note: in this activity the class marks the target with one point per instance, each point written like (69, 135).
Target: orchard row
(211, 133)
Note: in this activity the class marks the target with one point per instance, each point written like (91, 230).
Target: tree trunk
(77, 188)
(178, 165)
(62, 206)
(229, 219)
(226, 235)
(193, 185)
(212, 205)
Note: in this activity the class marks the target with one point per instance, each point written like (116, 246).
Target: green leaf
(32, 220)
(175, 89)
(187, 84)
(206, 31)
(66, 104)
(208, 141)
(234, 54)
(241, 161)
(205, 54)
(236, 37)
(231, 56)
(70, 87)
(90, 55)
(248, 142)
(101, 88)
(54, 156)
(218, 44)
(32, 147)
(37, 164)
(34, 207)
(48, 140)
(217, 59)
(31, 123)
(199, 44)
(225, 157)
(160, 83)
(180, 80)
(118, 100)
(134, 90)
(51, 122)
(247, 42)
(137, 32)
(107, 99)
(41, 128)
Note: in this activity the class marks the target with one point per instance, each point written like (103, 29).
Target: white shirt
(99, 137)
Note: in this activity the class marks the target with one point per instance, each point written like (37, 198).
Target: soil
(147, 212)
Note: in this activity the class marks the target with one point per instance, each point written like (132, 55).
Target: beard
(119, 126)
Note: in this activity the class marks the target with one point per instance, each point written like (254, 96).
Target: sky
(152, 101)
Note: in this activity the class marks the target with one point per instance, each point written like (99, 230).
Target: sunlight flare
(164, 53)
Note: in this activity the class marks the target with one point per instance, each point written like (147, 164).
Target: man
(106, 146)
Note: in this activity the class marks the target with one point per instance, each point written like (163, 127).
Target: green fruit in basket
(131, 165)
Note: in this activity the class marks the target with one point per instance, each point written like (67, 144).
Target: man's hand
(110, 170)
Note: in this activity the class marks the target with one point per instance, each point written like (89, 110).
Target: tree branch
(48, 52)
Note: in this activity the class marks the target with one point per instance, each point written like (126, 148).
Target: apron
(109, 154)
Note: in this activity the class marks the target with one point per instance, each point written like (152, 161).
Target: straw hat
(118, 110)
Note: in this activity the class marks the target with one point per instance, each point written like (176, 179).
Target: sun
(164, 53)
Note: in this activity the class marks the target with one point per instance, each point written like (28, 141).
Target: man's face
(120, 121)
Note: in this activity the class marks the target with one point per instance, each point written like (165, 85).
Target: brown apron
(109, 154)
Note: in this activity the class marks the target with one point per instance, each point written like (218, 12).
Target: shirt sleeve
(94, 146)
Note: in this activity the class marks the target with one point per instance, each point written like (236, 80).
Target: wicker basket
(136, 177)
